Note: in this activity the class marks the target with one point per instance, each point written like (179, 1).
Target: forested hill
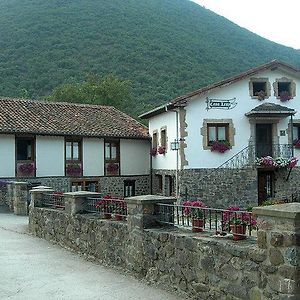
(165, 47)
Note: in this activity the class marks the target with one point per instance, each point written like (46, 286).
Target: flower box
(284, 96)
(73, 169)
(153, 151)
(26, 169)
(112, 169)
(161, 150)
(220, 147)
(278, 162)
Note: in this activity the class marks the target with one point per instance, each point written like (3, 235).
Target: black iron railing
(54, 200)
(107, 206)
(213, 221)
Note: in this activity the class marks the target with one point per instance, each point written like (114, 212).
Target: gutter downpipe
(177, 155)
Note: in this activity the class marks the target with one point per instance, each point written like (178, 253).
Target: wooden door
(263, 140)
(265, 186)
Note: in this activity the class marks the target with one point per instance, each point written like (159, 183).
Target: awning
(270, 110)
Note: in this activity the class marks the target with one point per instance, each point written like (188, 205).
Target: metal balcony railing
(246, 157)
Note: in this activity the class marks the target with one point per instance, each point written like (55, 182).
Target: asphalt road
(32, 268)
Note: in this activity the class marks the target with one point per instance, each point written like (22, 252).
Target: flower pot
(107, 216)
(197, 225)
(238, 232)
(118, 217)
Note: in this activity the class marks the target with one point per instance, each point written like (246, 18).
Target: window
(85, 185)
(73, 150)
(284, 89)
(25, 148)
(163, 138)
(159, 183)
(296, 132)
(217, 133)
(112, 157)
(259, 88)
(154, 140)
(129, 188)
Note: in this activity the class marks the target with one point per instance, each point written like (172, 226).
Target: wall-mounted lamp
(175, 145)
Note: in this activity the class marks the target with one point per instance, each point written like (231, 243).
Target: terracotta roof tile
(58, 118)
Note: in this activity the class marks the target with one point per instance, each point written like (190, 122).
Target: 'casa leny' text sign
(220, 103)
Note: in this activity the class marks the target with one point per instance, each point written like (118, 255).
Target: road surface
(32, 268)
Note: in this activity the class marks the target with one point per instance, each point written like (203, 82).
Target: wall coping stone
(82, 193)
(40, 191)
(150, 199)
(287, 211)
(41, 187)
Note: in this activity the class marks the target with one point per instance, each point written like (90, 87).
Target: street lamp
(175, 145)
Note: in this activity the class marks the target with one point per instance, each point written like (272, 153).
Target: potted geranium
(220, 147)
(296, 144)
(26, 169)
(153, 151)
(261, 95)
(194, 210)
(161, 150)
(105, 206)
(73, 169)
(237, 221)
(119, 208)
(284, 96)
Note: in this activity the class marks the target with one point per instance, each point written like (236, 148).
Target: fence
(212, 220)
(107, 206)
(54, 200)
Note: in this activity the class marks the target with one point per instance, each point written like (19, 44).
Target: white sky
(276, 20)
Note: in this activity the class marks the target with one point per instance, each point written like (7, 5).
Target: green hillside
(164, 47)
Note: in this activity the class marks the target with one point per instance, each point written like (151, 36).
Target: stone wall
(220, 187)
(108, 185)
(202, 266)
(3, 193)
(285, 188)
(115, 185)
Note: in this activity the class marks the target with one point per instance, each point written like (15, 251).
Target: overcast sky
(276, 20)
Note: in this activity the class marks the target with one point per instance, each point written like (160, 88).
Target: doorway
(264, 141)
(265, 187)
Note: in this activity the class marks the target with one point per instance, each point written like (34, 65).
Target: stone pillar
(141, 215)
(9, 196)
(37, 196)
(141, 210)
(75, 201)
(279, 233)
(20, 198)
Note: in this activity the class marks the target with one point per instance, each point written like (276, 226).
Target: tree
(109, 90)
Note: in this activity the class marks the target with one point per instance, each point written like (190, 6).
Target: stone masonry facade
(220, 188)
(201, 266)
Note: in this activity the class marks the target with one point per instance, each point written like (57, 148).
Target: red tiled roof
(58, 118)
(181, 100)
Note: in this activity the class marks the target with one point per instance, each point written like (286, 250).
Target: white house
(253, 114)
(73, 147)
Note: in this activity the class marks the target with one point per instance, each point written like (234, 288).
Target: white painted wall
(50, 153)
(7, 155)
(168, 160)
(196, 111)
(134, 157)
(93, 157)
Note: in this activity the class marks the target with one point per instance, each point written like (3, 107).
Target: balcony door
(263, 140)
